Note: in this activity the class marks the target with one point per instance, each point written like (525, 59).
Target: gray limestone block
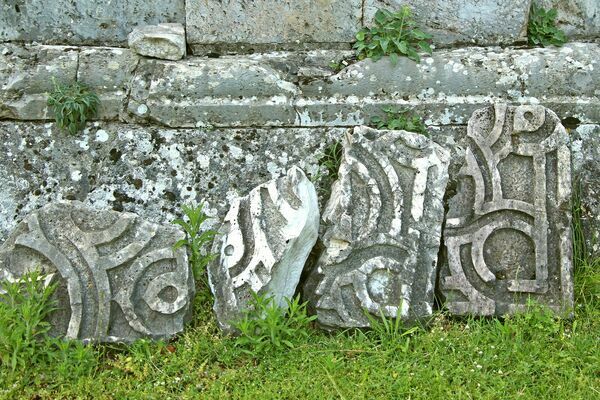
(97, 23)
(211, 92)
(263, 245)
(107, 71)
(507, 235)
(148, 170)
(383, 226)
(271, 22)
(450, 85)
(485, 22)
(577, 18)
(166, 41)
(26, 74)
(118, 277)
(586, 172)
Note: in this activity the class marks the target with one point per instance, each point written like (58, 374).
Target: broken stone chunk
(383, 222)
(264, 243)
(118, 277)
(507, 233)
(166, 41)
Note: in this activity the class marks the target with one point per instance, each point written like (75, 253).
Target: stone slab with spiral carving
(263, 245)
(507, 233)
(384, 220)
(118, 278)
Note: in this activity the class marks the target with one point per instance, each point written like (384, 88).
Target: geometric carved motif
(383, 232)
(263, 245)
(118, 276)
(507, 233)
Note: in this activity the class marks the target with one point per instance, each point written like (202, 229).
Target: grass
(527, 356)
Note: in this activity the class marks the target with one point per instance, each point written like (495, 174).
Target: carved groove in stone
(115, 270)
(264, 242)
(508, 228)
(384, 225)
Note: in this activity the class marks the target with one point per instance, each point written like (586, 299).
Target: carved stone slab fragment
(507, 233)
(118, 277)
(383, 221)
(264, 243)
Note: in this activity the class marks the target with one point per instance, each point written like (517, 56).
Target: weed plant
(266, 327)
(196, 239)
(329, 166)
(403, 119)
(542, 30)
(73, 105)
(25, 306)
(393, 34)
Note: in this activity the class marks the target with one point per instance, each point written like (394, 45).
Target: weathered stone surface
(586, 170)
(147, 170)
(107, 71)
(293, 89)
(578, 18)
(383, 222)
(166, 41)
(507, 233)
(211, 92)
(449, 86)
(118, 275)
(86, 22)
(486, 22)
(263, 245)
(271, 22)
(26, 76)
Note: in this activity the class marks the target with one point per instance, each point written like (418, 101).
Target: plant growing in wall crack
(393, 34)
(196, 239)
(542, 30)
(403, 119)
(73, 105)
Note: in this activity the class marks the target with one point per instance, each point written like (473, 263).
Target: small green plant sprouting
(73, 105)
(24, 306)
(390, 332)
(393, 34)
(542, 30)
(402, 119)
(266, 326)
(196, 239)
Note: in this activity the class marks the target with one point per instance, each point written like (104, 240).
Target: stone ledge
(300, 89)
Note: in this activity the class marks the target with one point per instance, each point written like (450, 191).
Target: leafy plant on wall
(393, 34)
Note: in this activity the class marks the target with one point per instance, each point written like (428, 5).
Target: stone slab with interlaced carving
(507, 233)
(118, 277)
(383, 226)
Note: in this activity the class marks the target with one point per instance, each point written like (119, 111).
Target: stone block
(270, 23)
(586, 171)
(486, 22)
(118, 277)
(383, 225)
(263, 245)
(211, 92)
(83, 22)
(577, 18)
(107, 71)
(26, 75)
(507, 235)
(165, 41)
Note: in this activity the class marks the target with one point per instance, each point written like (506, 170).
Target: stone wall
(246, 26)
(258, 93)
